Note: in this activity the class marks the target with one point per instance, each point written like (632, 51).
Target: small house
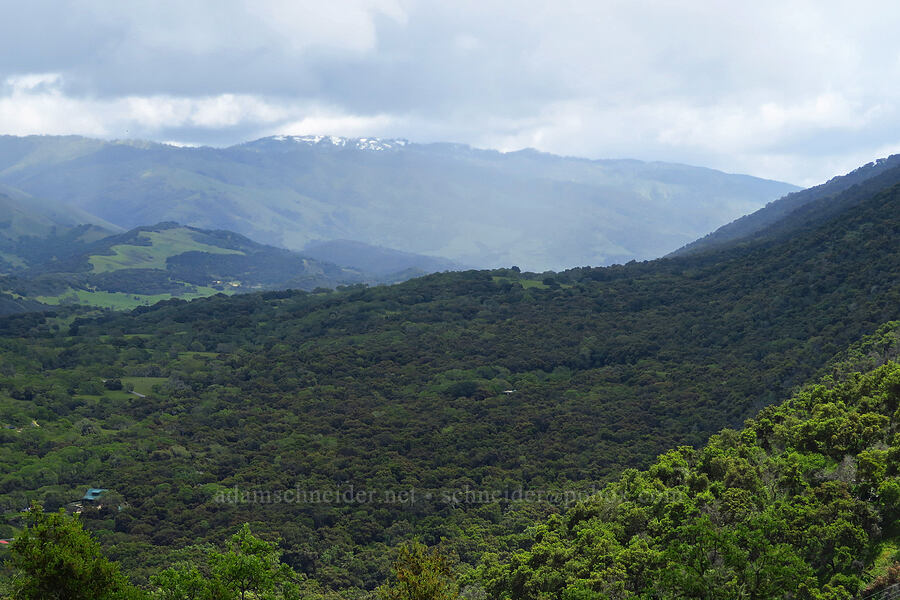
(93, 494)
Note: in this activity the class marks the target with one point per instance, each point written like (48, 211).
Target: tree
(54, 558)
(420, 574)
(181, 582)
(113, 384)
(251, 568)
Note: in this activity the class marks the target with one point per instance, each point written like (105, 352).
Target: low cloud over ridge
(795, 92)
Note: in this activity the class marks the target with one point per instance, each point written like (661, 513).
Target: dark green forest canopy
(804, 502)
(799, 210)
(402, 388)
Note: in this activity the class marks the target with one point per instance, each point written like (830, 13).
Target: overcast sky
(797, 91)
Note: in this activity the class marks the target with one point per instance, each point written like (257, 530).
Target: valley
(449, 398)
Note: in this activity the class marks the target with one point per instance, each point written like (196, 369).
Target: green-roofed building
(93, 494)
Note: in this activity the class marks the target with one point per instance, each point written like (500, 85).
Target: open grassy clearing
(164, 244)
(144, 385)
(119, 300)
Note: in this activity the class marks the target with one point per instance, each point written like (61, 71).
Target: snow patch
(369, 144)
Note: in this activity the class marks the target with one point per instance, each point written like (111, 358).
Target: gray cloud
(796, 91)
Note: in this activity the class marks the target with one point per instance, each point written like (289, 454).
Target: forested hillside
(490, 381)
(804, 502)
(84, 265)
(801, 209)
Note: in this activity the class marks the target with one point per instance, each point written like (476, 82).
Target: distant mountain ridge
(376, 260)
(22, 214)
(805, 207)
(27, 222)
(476, 207)
(52, 253)
(376, 144)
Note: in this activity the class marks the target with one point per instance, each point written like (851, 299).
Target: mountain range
(472, 207)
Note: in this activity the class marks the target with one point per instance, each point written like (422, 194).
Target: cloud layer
(798, 91)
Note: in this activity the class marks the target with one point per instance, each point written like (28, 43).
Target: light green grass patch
(164, 244)
(144, 385)
(119, 300)
(529, 283)
(525, 283)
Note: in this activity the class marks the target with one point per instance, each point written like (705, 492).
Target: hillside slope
(376, 260)
(25, 215)
(479, 382)
(801, 208)
(804, 502)
(55, 253)
(25, 219)
(472, 206)
(157, 262)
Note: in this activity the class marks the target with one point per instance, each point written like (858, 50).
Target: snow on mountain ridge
(376, 144)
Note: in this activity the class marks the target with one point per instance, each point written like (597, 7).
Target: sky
(798, 91)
